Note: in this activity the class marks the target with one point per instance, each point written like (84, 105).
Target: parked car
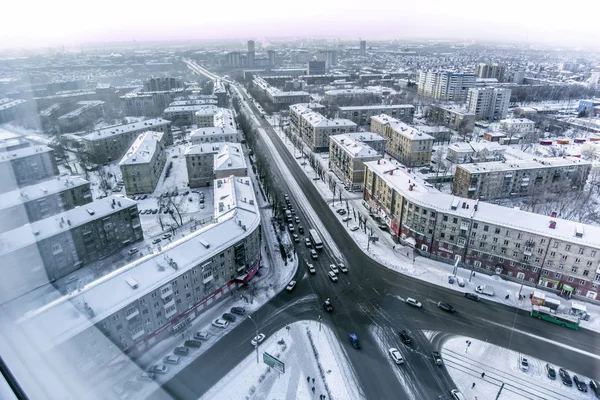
(171, 360)
(354, 340)
(523, 364)
(354, 228)
(471, 296)
(149, 376)
(181, 351)
(332, 276)
(346, 219)
(144, 197)
(328, 306)
(166, 236)
(307, 242)
(192, 343)
(201, 336)
(258, 339)
(595, 386)
(413, 302)
(565, 377)
(334, 268)
(238, 310)
(450, 279)
(291, 286)
(437, 358)
(158, 369)
(341, 211)
(404, 336)
(581, 386)
(132, 251)
(396, 356)
(220, 323)
(228, 317)
(446, 306)
(291, 227)
(343, 268)
(461, 282)
(157, 240)
(154, 211)
(550, 371)
(314, 254)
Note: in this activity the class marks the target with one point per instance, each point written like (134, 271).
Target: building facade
(361, 115)
(207, 160)
(491, 71)
(26, 166)
(527, 247)
(445, 85)
(488, 103)
(349, 97)
(142, 165)
(459, 119)
(500, 179)
(314, 129)
(517, 125)
(346, 159)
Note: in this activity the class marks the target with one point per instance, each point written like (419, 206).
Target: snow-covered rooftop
(513, 165)
(513, 218)
(402, 128)
(120, 129)
(224, 119)
(62, 318)
(206, 110)
(365, 136)
(143, 148)
(516, 121)
(230, 156)
(11, 103)
(39, 190)
(206, 148)
(353, 147)
(65, 221)
(378, 107)
(22, 152)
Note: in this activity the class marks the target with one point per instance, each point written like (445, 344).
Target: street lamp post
(256, 326)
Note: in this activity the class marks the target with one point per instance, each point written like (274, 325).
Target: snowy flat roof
(224, 119)
(195, 108)
(120, 129)
(378, 107)
(143, 148)
(365, 136)
(353, 147)
(402, 128)
(11, 103)
(205, 148)
(516, 121)
(65, 221)
(196, 102)
(486, 212)
(514, 165)
(206, 110)
(230, 156)
(39, 190)
(22, 152)
(212, 131)
(62, 317)
(336, 92)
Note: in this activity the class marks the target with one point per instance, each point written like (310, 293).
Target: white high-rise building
(488, 103)
(446, 85)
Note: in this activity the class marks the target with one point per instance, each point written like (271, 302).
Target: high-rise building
(234, 59)
(363, 47)
(316, 67)
(488, 103)
(487, 71)
(446, 85)
(329, 56)
(271, 54)
(251, 53)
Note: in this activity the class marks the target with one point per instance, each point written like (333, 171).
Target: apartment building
(110, 144)
(526, 247)
(405, 143)
(372, 139)
(361, 115)
(472, 152)
(278, 98)
(348, 97)
(347, 157)
(445, 85)
(517, 125)
(205, 160)
(457, 118)
(156, 297)
(491, 71)
(488, 103)
(26, 166)
(314, 129)
(53, 247)
(11, 109)
(142, 165)
(219, 126)
(220, 93)
(230, 161)
(42, 200)
(501, 179)
(205, 116)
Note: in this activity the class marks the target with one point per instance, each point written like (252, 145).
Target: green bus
(547, 314)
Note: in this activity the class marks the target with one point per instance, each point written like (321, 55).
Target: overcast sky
(72, 22)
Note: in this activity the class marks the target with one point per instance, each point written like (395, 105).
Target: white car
(311, 268)
(258, 339)
(314, 254)
(220, 323)
(523, 364)
(396, 356)
(343, 268)
(307, 242)
(171, 360)
(291, 227)
(158, 369)
(354, 228)
(333, 276)
(291, 286)
(334, 268)
(413, 302)
(296, 238)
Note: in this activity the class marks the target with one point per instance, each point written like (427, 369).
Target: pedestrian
(313, 379)
(473, 385)
(407, 254)
(313, 389)
(394, 248)
(482, 375)
(308, 379)
(507, 296)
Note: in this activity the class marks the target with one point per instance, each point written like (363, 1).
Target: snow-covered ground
(308, 352)
(501, 366)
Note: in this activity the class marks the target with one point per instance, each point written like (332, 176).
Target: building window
(593, 253)
(486, 228)
(577, 260)
(564, 257)
(586, 272)
(574, 269)
(571, 279)
(497, 231)
(589, 263)
(581, 250)
(568, 247)
(500, 260)
(582, 282)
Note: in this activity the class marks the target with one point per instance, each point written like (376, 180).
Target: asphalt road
(367, 301)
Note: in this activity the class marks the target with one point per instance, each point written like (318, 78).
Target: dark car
(181, 351)
(595, 386)
(446, 307)
(581, 386)
(192, 343)
(565, 377)
(354, 341)
(550, 372)
(471, 296)
(238, 310)
(229, 317)
(327, 305)
(404, 337)
(300, 229)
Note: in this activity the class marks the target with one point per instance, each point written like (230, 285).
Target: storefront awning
(411, 241)
(567, 288)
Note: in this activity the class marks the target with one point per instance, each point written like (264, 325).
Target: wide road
(368, 301)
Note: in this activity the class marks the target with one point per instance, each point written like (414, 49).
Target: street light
(256, 337)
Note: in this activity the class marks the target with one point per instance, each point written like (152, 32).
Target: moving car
(413, 302)
(291, 227)
(297, 220)
(181, 351)
(396, 356)
(581, 386)
(332, 276)
(158, 369)
(192, 343)
(220, 323)
(171, 360)
(314, 254)
(307, 242)
(565, 377)
(550, 371)
(404, 336)
(296, 238)
(437, 358)
(301, 229)
(446, 306)
(523, 364)
(201, 336)
(311, 268)
(343, 268)
(334, 268)
(238, 310)
(354, 341)
(228, 317)
(471, 296)
(291, 286)
(258, 339)
(328, 306)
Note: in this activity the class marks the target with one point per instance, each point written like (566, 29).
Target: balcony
(133, 315)
(528, 251)
(166, 293)
(138, 335)
(464, 226)
(171, 313)
(169, 304)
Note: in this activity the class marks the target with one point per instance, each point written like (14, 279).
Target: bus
(546, 313)
(315, 239)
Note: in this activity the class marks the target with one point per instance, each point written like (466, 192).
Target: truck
(485, 289)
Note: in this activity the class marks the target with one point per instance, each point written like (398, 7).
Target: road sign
(273, 362)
